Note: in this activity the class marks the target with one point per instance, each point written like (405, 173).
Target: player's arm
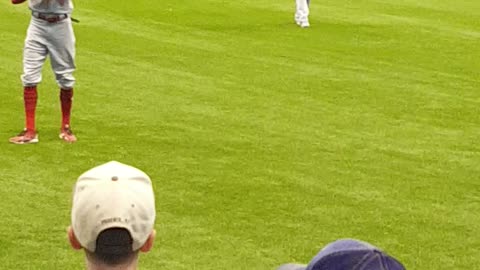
(16, 2)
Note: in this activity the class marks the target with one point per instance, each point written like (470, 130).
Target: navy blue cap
(349, 254)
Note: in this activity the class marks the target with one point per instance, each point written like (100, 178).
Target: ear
(73, 239)
(149, 243)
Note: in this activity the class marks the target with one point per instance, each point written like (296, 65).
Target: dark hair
(113, 247)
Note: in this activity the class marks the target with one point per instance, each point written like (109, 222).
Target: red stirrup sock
(66, 96)
(30, 101)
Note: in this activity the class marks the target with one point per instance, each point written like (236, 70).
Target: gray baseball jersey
(47, 36)
(51, 6)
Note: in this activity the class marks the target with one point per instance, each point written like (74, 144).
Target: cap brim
(292, 266)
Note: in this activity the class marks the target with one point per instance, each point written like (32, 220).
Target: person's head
(348, 254)
(113, 215)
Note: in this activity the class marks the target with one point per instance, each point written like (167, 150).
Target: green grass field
(265, 141)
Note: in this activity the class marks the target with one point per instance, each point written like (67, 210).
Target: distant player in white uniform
(301, 13)
(50, 33)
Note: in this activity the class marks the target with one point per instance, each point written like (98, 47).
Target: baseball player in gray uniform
(301, 13)
(50, 33)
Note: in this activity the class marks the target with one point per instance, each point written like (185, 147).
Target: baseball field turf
(264, 141)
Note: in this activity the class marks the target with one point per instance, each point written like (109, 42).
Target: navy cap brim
(292, 266)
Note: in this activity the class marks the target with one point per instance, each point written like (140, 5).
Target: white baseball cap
(113, 195)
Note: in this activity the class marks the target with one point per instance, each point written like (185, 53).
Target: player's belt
(49, 17)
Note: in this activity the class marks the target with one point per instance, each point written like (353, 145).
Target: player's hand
(16, 2)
